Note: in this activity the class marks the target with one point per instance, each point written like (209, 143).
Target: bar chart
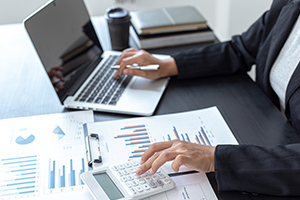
(200, 137)
(64, 174)
(19, 176)
(136, 138)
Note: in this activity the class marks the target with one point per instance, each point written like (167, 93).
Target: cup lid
(117, 13)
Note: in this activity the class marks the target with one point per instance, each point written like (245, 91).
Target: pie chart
(23, 141)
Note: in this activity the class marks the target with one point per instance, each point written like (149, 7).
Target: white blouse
(286, 63)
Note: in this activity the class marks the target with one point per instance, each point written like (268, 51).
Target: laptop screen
(66, 42)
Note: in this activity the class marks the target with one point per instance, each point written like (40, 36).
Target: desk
(25, 91)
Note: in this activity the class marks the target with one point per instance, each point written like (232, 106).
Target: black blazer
(272, 170)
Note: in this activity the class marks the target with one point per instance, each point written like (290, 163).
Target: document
(43, 156)
(123, 140)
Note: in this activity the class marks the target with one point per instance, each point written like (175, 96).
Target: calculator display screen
(108, 186)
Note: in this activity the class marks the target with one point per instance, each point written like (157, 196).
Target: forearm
(216, 59)
(234, 56)
(267, 170)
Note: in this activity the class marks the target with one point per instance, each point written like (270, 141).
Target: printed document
(127, 139)
(43, 156)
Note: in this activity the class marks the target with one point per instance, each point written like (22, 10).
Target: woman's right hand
(130, 56)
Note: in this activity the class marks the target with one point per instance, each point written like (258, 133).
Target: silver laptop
(80, 71)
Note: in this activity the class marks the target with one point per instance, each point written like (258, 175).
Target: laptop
(80, 71)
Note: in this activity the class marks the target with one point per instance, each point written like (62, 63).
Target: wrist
(212, 159)
(169, 67)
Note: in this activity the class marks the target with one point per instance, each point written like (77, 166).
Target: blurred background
(225, 17)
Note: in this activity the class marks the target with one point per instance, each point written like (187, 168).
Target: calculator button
(120, 173)
(125, 172)
(148, 178)
(128, 165)
(152, 185)
(161, 175)
(147, 173)
(139, 189)
(166, 181)
(134, 183)
(141, 181)
(133, 190)
(129, 177)
(115, 168)
(134, 163)
(121, 166)
(155, 177)
(146, 187)
(128, 184)
(159, 182)
(132, 170)
(124, 179)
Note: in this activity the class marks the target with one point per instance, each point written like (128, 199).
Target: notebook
(80, 71)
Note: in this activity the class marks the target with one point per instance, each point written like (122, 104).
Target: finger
(127, 59)
(178, 161)
(125, 55)
(59, 86)
(58, 75)
(155, 147)
(58, 68)
(162, 158)
(130, 50)
(146, 165)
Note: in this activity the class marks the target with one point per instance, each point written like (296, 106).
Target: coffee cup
(118, 20)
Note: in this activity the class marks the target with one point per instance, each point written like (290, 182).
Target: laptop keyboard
(103, 88)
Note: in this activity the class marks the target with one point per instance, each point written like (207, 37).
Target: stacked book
(171, 26)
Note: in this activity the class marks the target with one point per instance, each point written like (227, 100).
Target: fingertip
(152, 171)
(138, 172)
(119, 73)
(125, 71)
(115, 76)
(176, 170)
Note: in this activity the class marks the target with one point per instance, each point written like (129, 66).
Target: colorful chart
(137, 137)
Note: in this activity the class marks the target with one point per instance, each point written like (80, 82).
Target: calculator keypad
(140, 184)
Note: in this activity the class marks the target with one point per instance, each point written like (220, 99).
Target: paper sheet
(191, 186)
(128, 139)
(43, 156)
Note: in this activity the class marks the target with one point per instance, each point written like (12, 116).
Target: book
(171, 39)
(171, 19)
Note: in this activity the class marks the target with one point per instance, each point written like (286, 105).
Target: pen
(135, 66)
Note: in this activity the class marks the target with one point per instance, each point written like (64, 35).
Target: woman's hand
(195, 156)
(130, 56)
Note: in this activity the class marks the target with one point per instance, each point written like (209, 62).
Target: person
(272, 44)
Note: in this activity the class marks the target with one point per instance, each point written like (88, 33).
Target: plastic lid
(117, 13)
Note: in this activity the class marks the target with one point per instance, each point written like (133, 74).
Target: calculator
(121, 182)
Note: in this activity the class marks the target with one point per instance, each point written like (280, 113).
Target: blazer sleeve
(266, 170)
(236, 55)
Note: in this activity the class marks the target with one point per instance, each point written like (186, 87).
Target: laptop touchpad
(140, 83)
